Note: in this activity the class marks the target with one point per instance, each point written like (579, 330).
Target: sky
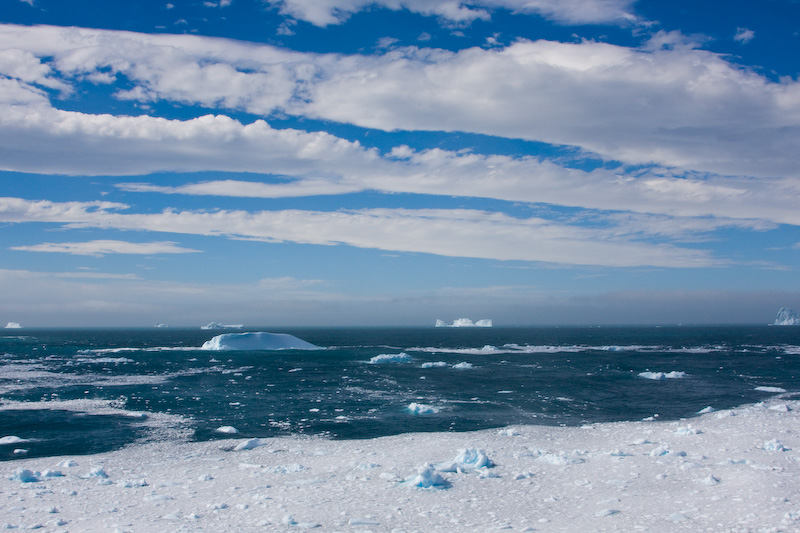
(286, 163)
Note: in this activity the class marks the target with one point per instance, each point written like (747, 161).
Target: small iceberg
(427, 478)
(259, 340)
(217, 325)
(422, 409)
(465, 323)
(787, 317)
(13, 325)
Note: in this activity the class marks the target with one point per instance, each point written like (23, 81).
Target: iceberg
(258, 340)
(787, 317)
(217, 325)
(12, 325)
(465, 323)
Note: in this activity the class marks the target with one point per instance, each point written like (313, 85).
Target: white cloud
(743, 35)
(666, 104)
(327, 12)
(99, 248)
(453, 233)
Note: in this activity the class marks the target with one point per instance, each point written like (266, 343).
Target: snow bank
(257, 341)
(735, 473)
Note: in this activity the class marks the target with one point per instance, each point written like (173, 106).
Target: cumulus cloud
(99, 248)
(328, 12)
(743, 35)
(453, 233)
(667, 104)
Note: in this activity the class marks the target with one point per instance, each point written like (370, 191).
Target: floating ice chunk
(20, 451)
(24, 475)
(777, 390)
(427, 478)
(787, 317)
(675, 374)
(259, 340)
(97, 471)
(705, 410)
(781, 407)
(249, 444)
(436, 364)
(422, 409)
(13, 325)
(52, 473)
(390, 358)
(227, 429)
(467, 459)
(711, 480)
(509, 432)
(12, 439)
(131, 483)
(463, 366)
(67, 463)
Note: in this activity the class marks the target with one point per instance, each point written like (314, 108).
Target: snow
(259, 340)
(787, 317)
(465, 323)
(735, 473)
(12, 325)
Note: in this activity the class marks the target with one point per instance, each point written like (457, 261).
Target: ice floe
(706, 473)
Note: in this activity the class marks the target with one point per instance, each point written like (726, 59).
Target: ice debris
(422, 409)
(427, 478)
(658, 376)
(467, 459)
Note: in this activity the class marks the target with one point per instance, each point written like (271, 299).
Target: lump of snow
(422, 409)
(427, 478)
(662, 375)
(259, 340)
(227, 429)
(390, 358)
(467, 459)
(787, 317)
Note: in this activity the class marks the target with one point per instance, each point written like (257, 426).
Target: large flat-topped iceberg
(465, 323)
(259, 340)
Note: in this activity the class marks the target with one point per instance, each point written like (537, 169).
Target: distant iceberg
(465, 323)
(12, 325)
(787, 317)
(259, 340)
(217, 325)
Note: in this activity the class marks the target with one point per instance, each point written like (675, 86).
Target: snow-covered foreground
(735, 470)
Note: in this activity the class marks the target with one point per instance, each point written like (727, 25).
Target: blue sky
(349, 162)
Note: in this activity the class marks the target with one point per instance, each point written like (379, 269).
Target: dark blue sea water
(86, 391)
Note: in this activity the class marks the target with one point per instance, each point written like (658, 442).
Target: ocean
(72, 392)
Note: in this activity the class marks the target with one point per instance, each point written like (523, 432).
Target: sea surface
(67, 392)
